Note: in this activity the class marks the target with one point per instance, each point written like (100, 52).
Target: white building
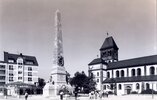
(18, 68)
(123, 77)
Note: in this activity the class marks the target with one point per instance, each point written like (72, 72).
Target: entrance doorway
(128, 89)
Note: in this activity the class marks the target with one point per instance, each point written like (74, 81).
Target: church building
(124, 76)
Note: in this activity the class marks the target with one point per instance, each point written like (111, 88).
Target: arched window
(119, 86)
(138, 72)
(152, 70)
(91, 74)
(133, 72)
(137, 86)
(104, 87)
(109, 53)
(97, 73)
(108, 74)
(147, 86)
(98, 80)
(117, 73)
(122, 73)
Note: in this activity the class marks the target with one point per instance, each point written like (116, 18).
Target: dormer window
(20, 61)
(11, 61)
(29, 62)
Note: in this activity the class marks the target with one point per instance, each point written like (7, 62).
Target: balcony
(2, 80)
(2, 68)
(2, 74)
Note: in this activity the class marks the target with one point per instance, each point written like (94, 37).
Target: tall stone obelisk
(58, 72)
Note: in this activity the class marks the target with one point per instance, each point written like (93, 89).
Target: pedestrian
(61, 95)
(96, 94)
(92, 94)
(76, 95)
(107, 94)
(26, 95)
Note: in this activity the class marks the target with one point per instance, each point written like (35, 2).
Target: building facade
(125, 76)
(18, 68)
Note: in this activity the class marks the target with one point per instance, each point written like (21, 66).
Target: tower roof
(109, 43)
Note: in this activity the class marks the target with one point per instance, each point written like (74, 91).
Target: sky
(27, 26)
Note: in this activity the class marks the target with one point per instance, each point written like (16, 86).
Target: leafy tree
(41, 82)
(82, 82)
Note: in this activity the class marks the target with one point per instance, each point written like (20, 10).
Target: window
(29, 68)
(29, 62)
(138, 72)
(117, 73)
(122, 73)
(119, 86)
(97, 80)
(108, 74)
(19, 67)
(10, 60)
(138, 86)
(147, 86)
(91, 74)
(133, 72)
(29, 79)
(11, 74)
(19, 63)
(19, 72)
(2, 66)
(111, 86)
(29, 73)
(97, 73)
(2, 77)
(11, 67)
(109, 53)
(152, 70)
(19, 78)
(104, 87)
(10, 78)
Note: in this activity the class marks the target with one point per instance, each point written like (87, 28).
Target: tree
(41, 82)
(82, 82)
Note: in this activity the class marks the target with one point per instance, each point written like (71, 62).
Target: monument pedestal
(49, 90)
(57, 81)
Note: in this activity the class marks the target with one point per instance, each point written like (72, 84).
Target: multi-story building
(125, 76)
(18, 68)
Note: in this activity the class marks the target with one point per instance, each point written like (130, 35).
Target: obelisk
(58, 72)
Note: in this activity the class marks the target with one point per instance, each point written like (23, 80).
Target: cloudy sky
(27, 26)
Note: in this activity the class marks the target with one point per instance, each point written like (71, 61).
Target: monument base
(49, 90)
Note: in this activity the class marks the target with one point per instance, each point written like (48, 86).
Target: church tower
(109, 50)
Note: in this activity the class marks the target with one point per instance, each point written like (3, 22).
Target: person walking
(76, 95)
(61, 95)
(26, 95)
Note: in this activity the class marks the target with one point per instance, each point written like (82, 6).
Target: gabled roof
(131, 79)
(97, 61)
(26, 58)
(109, 43)
(142, 61)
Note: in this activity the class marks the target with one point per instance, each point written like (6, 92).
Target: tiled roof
(97, 61)
(131, 79)
(109, 43)
(26, 58)
(142, 61)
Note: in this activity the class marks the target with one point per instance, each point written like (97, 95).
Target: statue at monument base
(53, 90)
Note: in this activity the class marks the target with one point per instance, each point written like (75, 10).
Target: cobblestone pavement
(126, 97)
